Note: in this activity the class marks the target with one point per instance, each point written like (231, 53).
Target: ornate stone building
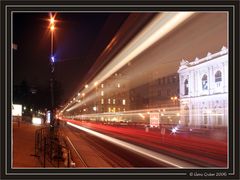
(204, 90)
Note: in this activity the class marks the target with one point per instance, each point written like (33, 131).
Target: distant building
(164, 91)
(111, 95)
(159, 93)
(139, 97)
(204, 90)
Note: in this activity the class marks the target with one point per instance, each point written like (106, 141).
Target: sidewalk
(23, 145)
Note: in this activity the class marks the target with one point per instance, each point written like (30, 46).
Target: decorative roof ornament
(223, 50)
(183, 65)
(209, 54)
(184, 62)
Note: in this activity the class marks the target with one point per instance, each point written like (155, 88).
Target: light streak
(145, 152)
(141, 115)
(157, 29)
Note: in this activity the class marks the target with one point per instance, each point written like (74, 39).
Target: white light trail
(142, 151)
(160, 26)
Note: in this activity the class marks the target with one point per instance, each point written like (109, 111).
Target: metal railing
(49, 149)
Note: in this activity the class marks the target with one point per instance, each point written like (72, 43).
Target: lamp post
(52, 61)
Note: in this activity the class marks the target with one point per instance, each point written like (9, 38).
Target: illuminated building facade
(111, 96)
(204, 90)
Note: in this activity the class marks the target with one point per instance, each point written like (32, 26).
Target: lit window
(124, 102)
(102, 85)
(102, 93)
(109, 109)
(218, 78)
(186, 87)
(109, 101)
(118, 85)
(114, 101)
(102, 101)
(204, 82)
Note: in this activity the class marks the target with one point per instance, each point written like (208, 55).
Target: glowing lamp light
(36, 121)
(52, 27)
(53, 59)
(52, 20)
(174, 130)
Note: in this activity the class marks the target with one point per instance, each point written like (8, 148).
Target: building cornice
(184, 64)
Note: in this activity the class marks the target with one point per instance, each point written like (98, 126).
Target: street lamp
(52, 61)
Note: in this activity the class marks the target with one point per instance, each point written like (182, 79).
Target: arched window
(218, 76)
(186, 87)
(204, 82)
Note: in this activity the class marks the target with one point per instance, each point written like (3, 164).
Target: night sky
(79, 39)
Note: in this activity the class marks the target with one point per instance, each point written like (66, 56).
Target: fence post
(37, 144)
(35, 147)
(58, 154)
(44, 155)
(68, 158)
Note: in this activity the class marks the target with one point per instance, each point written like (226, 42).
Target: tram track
(113, 155)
